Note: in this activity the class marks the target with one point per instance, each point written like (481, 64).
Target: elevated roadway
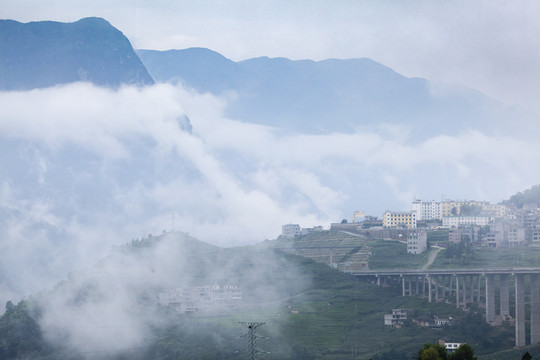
(469, 285)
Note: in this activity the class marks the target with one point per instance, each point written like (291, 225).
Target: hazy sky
(492, 46)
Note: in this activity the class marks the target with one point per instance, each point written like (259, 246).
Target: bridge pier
(464, 281)
(520, 310)
(479, 288)
(490, 298)
(457, 290)
(505, 295)
(471, 293)
(535, 309)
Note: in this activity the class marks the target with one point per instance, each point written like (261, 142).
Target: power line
(252, 338)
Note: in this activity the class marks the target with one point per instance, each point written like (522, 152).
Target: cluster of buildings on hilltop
(428, 214)
(201, 298)
(478, 222)
(451, 213)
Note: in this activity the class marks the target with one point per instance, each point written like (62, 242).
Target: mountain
(326, 96)
(47, 53)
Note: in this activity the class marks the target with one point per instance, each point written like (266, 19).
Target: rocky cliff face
(46, 53)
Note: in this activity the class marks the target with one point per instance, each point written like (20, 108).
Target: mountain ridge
(48, 53)
(328, 95)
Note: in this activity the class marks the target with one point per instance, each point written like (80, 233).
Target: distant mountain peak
(327, 95)
(47, 53)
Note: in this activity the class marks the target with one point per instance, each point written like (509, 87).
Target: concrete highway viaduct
(475, 286)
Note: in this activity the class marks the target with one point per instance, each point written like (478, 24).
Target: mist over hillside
(121, 291)
(228, 153)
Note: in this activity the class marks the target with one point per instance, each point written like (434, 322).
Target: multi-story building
(495, 239)
(426, 210)
(438, 210)
(398, 219)
(450, 208)
(456, 221)
(453, 208)
(495, 210)
(291, 230)
(306, 231)
(396, 318)
(467, 233)
(506, 234)
(515, 235)
(535, 236)
(416, 242)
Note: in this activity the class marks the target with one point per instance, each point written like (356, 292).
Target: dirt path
(431, 258)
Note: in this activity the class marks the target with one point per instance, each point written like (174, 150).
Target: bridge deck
(398, 272)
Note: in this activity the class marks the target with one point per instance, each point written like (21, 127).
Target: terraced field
(345, 252)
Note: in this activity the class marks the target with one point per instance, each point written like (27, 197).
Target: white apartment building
(416, 242)
(291, 230)
(456, 221)
(426, 210)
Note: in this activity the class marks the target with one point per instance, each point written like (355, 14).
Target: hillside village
(476, 222)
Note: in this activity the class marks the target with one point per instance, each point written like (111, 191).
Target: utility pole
(252, 350)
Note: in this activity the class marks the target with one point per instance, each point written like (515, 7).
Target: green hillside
(310, 310)
(346, 252)
(525, 197)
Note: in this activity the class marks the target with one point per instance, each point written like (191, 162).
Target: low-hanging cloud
(85, 168)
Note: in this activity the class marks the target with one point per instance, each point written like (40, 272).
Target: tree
(344, 221)
(432, 352)
(20, 333)
(526, 356)
(528, 196)
(470, 210)
(463, 352)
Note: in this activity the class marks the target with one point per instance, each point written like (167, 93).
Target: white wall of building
(456, 221)
(416, 242)
(291, 230)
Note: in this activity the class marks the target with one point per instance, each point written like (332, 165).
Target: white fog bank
(84, 168)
